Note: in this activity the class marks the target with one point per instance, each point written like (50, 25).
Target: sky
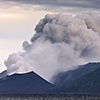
(18, 19)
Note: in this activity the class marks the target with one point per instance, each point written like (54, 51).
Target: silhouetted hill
(29, 83)
(89, 83)
(84, 79)
(66, 78)
(3, 74)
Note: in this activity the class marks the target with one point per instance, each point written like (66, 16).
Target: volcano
(86, 82)
(29, 83)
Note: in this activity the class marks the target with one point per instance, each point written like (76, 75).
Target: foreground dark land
(51, 97)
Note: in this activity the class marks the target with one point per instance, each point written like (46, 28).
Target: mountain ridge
(85, 79)
(65, 78)
(29, 83)
(89, 83)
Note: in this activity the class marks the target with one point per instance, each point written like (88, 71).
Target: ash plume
(60, 43)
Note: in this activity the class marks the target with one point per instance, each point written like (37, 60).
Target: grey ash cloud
(60, 43)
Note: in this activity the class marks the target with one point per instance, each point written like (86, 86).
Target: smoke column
(60, 43)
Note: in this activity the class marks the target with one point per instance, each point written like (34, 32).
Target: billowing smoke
(60, 43)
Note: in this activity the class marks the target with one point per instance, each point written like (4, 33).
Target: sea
(51, 97)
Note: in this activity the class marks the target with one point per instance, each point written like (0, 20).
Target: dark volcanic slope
(3, 74)
(29, 83)
(67, 78)
(89, 83)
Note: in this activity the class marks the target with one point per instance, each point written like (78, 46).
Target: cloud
(61, 42)
(70, 5)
